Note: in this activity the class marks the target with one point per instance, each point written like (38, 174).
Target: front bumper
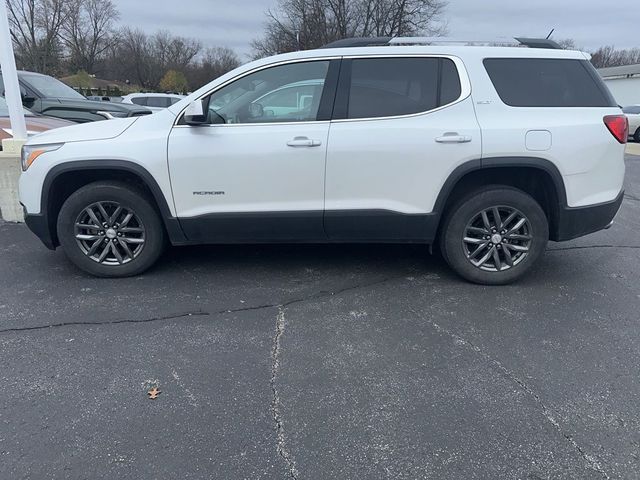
(39, 225)
(579, 221)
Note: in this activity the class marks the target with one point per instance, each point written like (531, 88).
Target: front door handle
(453, 137)
(304, 142)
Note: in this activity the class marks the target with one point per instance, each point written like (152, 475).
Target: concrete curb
(633, 149)
(10, 209)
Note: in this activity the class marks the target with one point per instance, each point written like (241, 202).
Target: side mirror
(195, 114)
(27, 101)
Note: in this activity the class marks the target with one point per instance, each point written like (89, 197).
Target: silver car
(633, 114)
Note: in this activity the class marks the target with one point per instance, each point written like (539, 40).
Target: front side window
(386, 87)
(286, 93)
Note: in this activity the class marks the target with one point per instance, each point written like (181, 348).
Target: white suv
(153, 101)
(487, 151)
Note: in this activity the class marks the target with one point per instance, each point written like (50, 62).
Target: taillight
(618, 125)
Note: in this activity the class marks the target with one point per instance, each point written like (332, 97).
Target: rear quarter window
(548, 82)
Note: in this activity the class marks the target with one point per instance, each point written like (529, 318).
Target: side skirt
(346, 226)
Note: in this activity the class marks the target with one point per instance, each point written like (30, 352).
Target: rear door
(401, 125)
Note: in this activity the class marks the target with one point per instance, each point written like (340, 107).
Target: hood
(96, 105)
(102, 130)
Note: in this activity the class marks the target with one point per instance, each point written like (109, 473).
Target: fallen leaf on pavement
(153, 393)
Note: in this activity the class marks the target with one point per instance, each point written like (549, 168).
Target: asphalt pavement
(322, 362)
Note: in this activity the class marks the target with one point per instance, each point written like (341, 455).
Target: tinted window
(160, 102)
(286, 93)
(632, 110)
(450, 90)
(547, 82)
(385, 87)
(139, 101)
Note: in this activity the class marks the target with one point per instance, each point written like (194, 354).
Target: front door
(256, 171)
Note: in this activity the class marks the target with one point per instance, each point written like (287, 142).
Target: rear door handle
(453, 138)
(304, 142)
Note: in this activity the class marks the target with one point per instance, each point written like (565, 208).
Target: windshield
(50, 87)
(4, 109)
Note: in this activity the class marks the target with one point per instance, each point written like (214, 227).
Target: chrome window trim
(463, 75)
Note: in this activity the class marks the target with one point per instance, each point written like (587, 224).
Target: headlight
(31, 152)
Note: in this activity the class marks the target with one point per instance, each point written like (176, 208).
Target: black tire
(149, 235)
(458, 244)
(636, 136)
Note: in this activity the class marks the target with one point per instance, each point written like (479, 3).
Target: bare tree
(213, 63)
(304, 24)
(88, 31)
(608, 56)
(35, 28)
(145, 59)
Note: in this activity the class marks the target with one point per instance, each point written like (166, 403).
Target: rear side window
(547, 82)
(632, 110)
(386, 87)
(159, 102)
(139, 101)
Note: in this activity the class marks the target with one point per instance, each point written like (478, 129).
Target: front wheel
(636, 135)
(494, 235)
(110, 229)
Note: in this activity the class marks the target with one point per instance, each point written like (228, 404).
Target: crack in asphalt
(628, 196)
(275, 402)
(107, 322)
(547, 412)
(201, 313)
(583, 247)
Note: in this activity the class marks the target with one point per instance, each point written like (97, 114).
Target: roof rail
(385, 41)
(359, 42)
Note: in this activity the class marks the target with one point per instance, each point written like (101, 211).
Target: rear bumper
(577, 222)
(39, 225)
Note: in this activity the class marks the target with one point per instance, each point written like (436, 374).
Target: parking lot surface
(319, 362)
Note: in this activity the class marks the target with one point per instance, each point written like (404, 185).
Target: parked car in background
(633, 115)
(153, 101)
(46, 95)
(35, 123)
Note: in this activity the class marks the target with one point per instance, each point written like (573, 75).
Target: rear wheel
(110, 229)
(494, 235)
(636, 135)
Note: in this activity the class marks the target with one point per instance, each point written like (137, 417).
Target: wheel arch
(64, 179)
(538, 177)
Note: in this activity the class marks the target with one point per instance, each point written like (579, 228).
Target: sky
(234, 23)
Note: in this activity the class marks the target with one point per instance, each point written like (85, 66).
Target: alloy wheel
(109, 233)
(497, 238)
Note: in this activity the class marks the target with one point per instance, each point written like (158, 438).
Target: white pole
(10, 78)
